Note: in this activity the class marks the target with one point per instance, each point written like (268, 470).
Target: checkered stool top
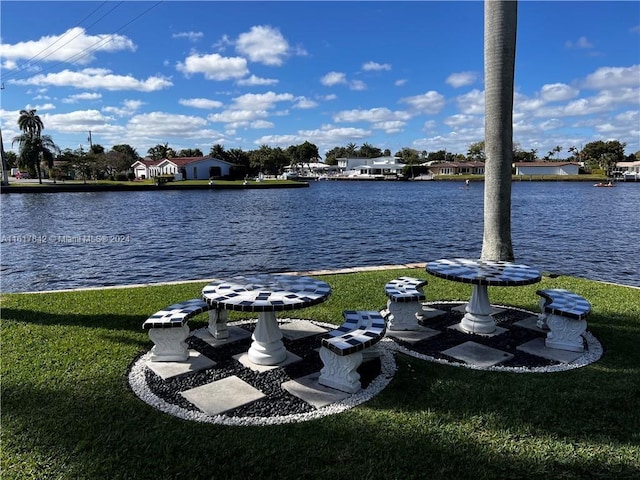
(176, 315)
(405, 289)
(360, 330)
(565, 303)
(483, 272)
(265, 292)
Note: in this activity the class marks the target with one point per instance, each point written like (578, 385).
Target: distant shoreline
(60, 187)
(132, 186)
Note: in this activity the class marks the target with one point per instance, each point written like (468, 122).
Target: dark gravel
(279, 402)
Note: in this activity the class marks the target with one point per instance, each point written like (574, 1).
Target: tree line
(38, 151)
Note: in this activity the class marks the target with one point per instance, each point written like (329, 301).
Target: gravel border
(138, 382)
(138, 378)
(593, 353)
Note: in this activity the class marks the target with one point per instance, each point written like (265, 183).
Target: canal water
(69, 240)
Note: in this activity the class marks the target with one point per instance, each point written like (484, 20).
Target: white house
(183, 168)
(628, 170)
(370, 167)
(146, 168)
(546, 168)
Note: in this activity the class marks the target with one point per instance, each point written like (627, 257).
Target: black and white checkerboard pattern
(176, 315)
(405, 289)
(360, 330)
(265, 292)
(565, 303)
(483, 272)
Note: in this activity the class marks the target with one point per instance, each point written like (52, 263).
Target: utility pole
(89, 139)
(5, 174)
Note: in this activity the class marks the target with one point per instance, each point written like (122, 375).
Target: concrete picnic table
(482, 273)
(266, 294)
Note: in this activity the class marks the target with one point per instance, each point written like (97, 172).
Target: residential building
(546, 168)
(457, 168)
(182, 168)
(379, 167)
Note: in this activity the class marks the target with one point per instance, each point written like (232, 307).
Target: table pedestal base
(478, 318)
(267, 347)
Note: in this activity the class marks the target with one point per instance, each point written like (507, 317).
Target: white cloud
(357, 85)
(430, 102)
(161, 125)
(461, 79)
(253, 81)
(376, 67)
(557, 92)
(371, 115)
(200, 103)
(73, 46)
(260, 101)
(191, 36)
(459, 119)
(129, 107)
(77, 121)
(214, 66)
(333, 78)
(389, 127)
(96, 78)
(263, 44)
(582, 42)
(471, 103)
(305, 103)
(610, 77)
(400, 82)
(86, 96)
(327, 136)
(237, 117)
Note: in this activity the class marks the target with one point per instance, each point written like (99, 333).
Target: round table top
(483, 272)
(265, 292)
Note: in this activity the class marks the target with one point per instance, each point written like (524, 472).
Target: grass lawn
(68, 413)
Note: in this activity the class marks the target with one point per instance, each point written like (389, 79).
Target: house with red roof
(183, 168)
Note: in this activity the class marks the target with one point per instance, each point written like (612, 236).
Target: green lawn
(68, 413)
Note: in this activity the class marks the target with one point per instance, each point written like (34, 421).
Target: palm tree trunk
(5, 174)
(500, 20)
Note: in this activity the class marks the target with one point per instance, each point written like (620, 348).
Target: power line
(28, 63)
(98, 44)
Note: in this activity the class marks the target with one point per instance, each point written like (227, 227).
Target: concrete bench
(563, 313)
(342, 349)
(405, 296)
(168, 329)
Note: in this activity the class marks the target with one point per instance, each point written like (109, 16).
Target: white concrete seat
(342, 349)
(405, 296)
(564, 314)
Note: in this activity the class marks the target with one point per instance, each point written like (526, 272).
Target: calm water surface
(69, 240)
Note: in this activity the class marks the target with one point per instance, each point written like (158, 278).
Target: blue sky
(243, 74)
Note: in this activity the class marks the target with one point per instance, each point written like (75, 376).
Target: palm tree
(500, 20)
(34, 147)
(29, 122)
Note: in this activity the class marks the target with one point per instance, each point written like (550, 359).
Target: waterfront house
(145, 168)
(546, 168)
(370, 168)
(457, 168)
(182, 168)
(629, 171)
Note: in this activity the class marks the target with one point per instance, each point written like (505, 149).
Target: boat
(604, 184)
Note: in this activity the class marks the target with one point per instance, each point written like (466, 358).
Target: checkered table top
(483, 272)
(265, 292)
